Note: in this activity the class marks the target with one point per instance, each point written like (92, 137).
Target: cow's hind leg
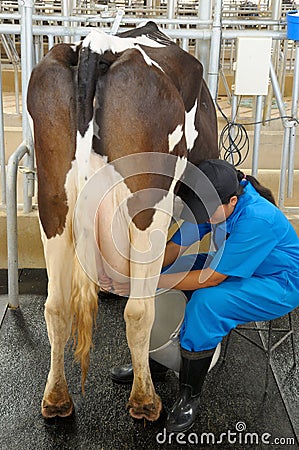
(143, 402)
(59, 256)
(145, 265)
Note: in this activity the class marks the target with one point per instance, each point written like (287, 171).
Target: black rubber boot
(194, 368)
(124, 374)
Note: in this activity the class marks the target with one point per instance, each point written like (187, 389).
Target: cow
(115, 120)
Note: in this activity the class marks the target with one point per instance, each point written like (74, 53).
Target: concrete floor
(232, 400)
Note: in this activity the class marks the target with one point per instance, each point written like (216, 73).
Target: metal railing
(211, 31)
(14, 59)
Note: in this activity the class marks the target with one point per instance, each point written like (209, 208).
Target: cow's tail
(84, 308)
(91, 67)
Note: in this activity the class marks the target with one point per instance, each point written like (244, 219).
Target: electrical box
(252, 65)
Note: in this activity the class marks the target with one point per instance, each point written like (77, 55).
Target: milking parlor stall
(248, 81)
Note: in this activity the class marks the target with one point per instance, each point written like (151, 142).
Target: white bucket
(164, 342)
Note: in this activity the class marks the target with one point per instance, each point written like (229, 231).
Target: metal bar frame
(12, 226)
(257, 134)
(294, 113)
(2, 145)
(266, 343)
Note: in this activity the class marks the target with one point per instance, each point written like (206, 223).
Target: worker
(252, 274)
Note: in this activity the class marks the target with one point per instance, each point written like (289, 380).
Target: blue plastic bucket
(293, 25)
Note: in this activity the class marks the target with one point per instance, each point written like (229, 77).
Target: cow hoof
(63, 409)
(150, 411)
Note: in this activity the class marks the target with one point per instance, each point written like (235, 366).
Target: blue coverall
(257, 247)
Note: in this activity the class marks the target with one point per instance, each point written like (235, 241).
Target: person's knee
(202, 303)
(200, 328)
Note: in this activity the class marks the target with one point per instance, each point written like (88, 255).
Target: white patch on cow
(147, 59)
(190, 131)
(175, 137)
(100, 42)
(83, 150)
(179, 170)
(180, 167)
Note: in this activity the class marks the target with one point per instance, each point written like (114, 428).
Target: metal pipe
(28, 188)
(290, 209)
(171, 6)
(5, 16)
(177, 33)
(232, 134)
(117, 21)
(2, 145)
(50, 41)
(284, 164)
(257, 134)
(278, 95)
(23, 69)
(83, 31)
(232, 34)
(276, 9)
(65, 13)
(283, 65)
(202, 48)
(286, 136)
(295, 96)
(215, 50)
(12, 230)
(257, 22)
(126, 19)
(185, 44)
(10, 29)
(276, 13)
(17, 91)
(132, 20)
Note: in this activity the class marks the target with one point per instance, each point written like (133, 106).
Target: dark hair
(262, 190)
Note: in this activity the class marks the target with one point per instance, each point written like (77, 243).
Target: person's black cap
(205, 187)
